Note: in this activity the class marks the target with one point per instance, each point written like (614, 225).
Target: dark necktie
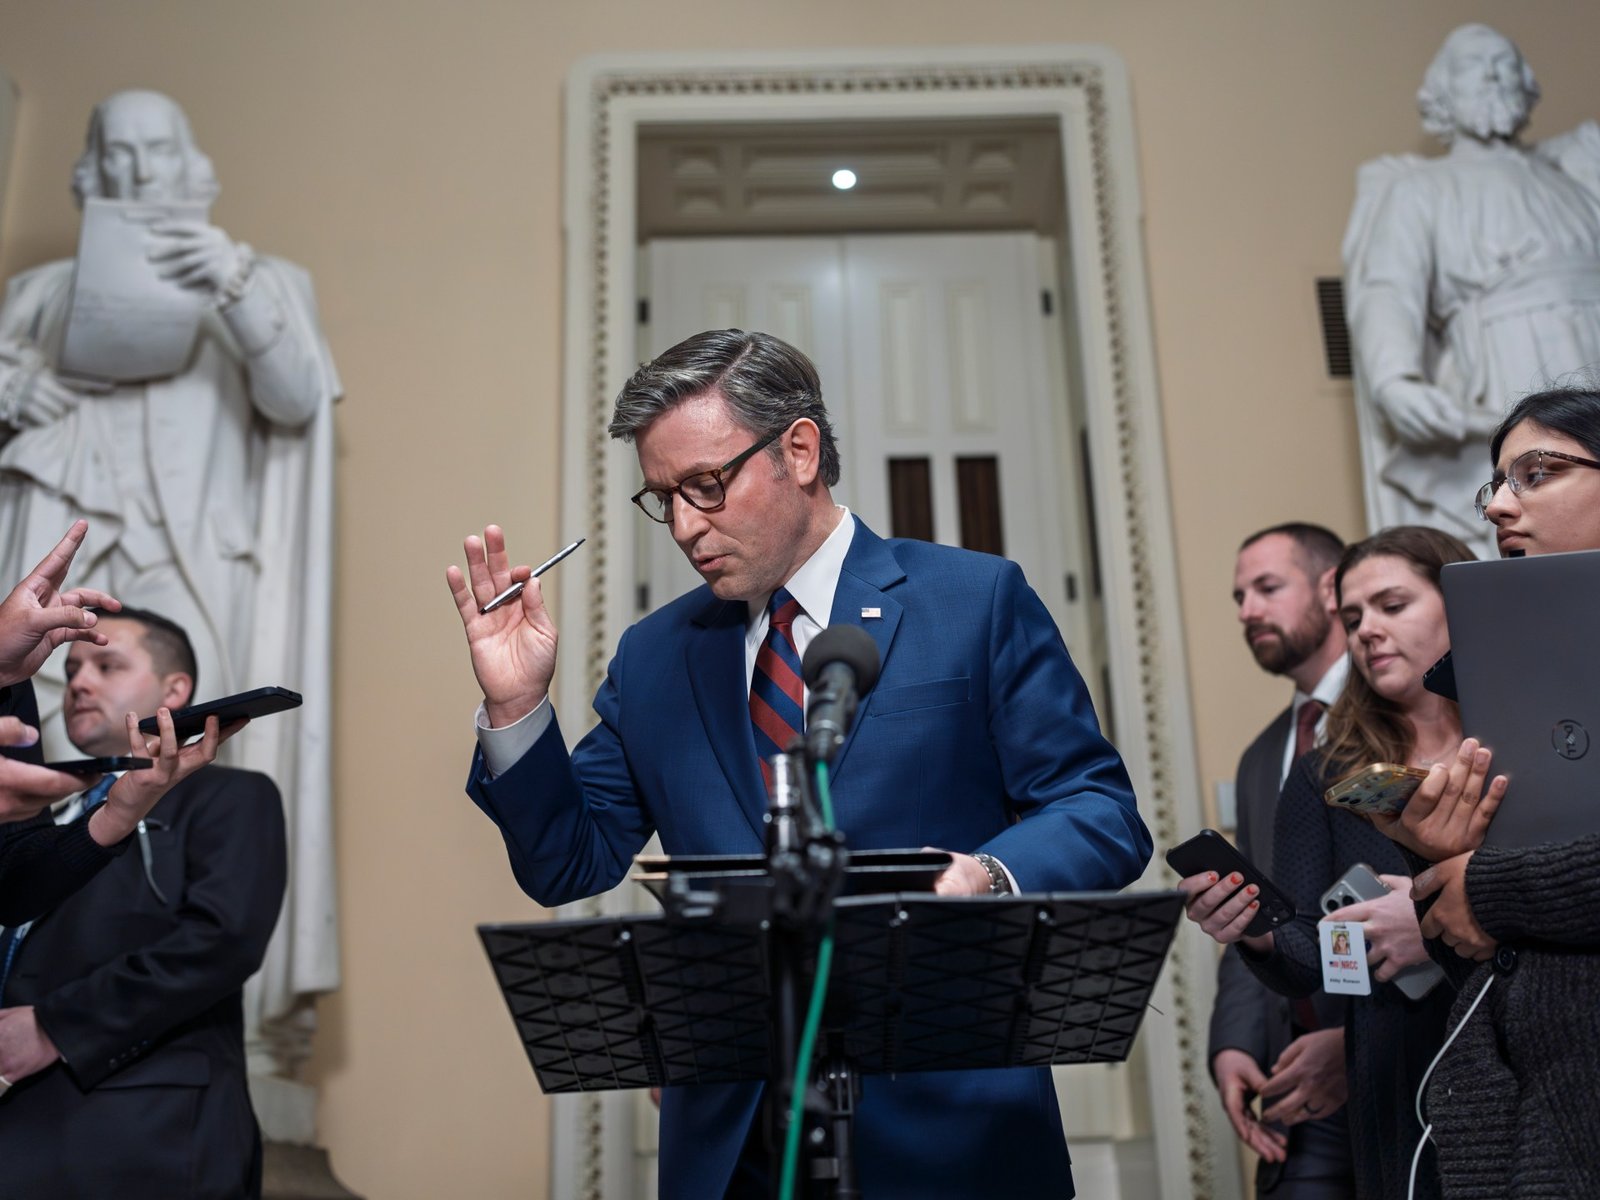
(777, 695)
(1305, 726)
(11, 937)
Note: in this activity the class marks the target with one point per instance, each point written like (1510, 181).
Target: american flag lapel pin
(868, 614)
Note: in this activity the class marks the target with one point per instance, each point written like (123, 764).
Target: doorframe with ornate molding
(1085, 89)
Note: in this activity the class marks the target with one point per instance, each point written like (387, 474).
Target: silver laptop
(1525, 644)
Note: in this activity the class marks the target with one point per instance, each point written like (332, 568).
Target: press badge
(1344, 958)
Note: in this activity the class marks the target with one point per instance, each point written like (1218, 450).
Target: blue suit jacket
(979, 735)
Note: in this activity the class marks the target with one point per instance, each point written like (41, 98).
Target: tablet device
(1526, 652)
(191, 722)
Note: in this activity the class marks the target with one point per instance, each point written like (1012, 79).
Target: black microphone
(840, 666)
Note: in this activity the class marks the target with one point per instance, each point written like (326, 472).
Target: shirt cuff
(503, 747)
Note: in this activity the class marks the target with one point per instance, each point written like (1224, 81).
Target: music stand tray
(919, 983)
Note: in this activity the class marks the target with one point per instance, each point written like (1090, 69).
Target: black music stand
(919, 983)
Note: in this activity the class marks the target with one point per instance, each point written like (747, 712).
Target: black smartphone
(1208, 850)
(190, 722)
(99, 766)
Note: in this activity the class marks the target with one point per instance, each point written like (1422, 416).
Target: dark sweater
(1515, 1101)
(1389, 1040)
(40, 863)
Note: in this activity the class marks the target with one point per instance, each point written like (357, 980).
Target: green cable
(808, 1036)
(824, 796)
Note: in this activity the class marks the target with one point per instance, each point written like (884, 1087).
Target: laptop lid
(1525, 645)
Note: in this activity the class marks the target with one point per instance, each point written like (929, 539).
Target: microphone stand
(806, 863)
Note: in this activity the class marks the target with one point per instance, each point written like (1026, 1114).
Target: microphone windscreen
(848, 644)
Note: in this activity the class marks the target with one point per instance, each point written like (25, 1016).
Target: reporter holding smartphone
(1513, 1101)
(42, 863)
(1393, 615)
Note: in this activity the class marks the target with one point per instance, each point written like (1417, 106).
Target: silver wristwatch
(999, 884)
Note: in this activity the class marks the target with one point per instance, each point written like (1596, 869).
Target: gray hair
(1433, 97)
(767, 384)
(199, 174)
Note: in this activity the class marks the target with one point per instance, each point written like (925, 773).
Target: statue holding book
(1471, 279)
(175, 388)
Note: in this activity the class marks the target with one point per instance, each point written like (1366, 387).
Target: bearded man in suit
(1292, 1054)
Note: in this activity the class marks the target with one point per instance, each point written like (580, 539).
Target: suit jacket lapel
(715, 659)
(869, 569)
(1261, 789)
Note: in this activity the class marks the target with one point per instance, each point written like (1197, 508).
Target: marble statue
(1471, 279)
(209, 498)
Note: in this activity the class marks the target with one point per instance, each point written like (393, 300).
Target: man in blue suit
(979, 738)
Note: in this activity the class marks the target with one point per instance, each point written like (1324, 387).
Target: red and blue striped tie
(777, 695)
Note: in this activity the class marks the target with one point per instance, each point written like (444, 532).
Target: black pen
(515, 590)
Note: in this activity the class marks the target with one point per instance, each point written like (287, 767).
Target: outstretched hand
(514, 647)
(27, 789)
(136, 792)
(38, 616)
(1449, 814)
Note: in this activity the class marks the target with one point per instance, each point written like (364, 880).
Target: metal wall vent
(1335, 333)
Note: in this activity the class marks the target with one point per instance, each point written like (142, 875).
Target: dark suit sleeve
(1242, 1014)
(571, 824)
(40, 864)
(1542, 895)
(1079, 827)
(235, 866)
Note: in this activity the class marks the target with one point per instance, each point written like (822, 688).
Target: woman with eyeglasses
(1514, 1100)
(1393, 615)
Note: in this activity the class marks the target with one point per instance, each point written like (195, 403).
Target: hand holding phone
(1209, 851)
(1361, 884)
(259, 702)
(1453, 809)
(1381, 789)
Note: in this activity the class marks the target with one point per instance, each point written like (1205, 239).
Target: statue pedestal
(300, 1173)
(293, 1167)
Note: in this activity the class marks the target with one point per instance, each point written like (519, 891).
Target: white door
(935, 368)
(791, 288)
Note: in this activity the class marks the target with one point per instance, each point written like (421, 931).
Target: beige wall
(409, 153)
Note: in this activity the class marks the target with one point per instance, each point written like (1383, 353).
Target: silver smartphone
(1360, 883)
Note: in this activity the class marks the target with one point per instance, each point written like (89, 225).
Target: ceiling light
(844, 179)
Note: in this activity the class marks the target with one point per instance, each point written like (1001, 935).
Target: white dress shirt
(1326, 692)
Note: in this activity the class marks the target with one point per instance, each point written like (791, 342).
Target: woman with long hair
(1393, 614)
(1514, 1099)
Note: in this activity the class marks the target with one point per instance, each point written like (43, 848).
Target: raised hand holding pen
(513, 646)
